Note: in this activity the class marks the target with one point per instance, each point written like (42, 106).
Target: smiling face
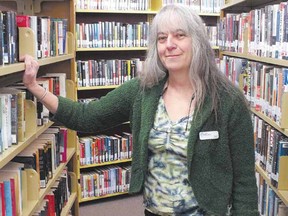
(174, 42)
(174, 49)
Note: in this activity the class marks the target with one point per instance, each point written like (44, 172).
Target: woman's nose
(171, 42)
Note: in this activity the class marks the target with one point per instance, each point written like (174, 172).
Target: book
(1, 139)
(87, 144)
(10, 183)
(51, 203)
(15, 169)
(2, 195)
(8, 197)
(42, 149)
(63, 144)
(23, 20)
(1, 39)
(6, 120)
(8, 37)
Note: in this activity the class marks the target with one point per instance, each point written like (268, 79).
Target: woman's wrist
(32, 86)
(43, 96)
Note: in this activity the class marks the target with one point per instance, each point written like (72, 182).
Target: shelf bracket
(29, 7)
(37, 4)
(23, 7)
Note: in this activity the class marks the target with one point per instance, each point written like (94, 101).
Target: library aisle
(125, 205)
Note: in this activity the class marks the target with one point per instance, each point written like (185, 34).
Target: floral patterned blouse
(167, 189)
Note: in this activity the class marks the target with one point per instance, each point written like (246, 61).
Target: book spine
(8, 198)
(3, 203)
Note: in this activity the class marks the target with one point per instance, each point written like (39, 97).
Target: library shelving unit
(12, 73)
(247, 52)
(88, 15)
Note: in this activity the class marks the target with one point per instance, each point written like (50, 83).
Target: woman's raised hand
(31, 69)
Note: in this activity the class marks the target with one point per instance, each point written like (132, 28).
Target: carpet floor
(123, 205)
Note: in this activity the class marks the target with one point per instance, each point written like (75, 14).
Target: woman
(192, 132)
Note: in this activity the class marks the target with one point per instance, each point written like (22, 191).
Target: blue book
(8, 197)
(283, 148)
(282, 151)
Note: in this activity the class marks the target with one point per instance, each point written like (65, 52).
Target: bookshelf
(33, 194)
(89, 16)
(257, 56)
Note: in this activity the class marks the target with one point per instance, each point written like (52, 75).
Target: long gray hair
(204, 73)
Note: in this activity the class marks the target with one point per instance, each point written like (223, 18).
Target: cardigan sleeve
(110, 110)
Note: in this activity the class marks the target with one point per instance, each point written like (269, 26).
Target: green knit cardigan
(221, 171)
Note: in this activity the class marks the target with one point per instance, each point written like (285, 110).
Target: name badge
(209, 135)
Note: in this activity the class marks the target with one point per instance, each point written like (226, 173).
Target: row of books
(105, 180)
(13, 122)
(263, 85)
(45, 154)
(115, 34)
(103, 148)
(141, 5)
(12, 119)
(56, 198)
(105, 34)
(200, 6)
(11, 196)
(49, 36)
(15, 183)
(8, 38)
(107, 72)
(212, 32)
(269, 204)
(270, 147)
(266, 31)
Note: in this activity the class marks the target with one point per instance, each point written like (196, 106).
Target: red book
(63, 146)
(13, 196)
(98, 142)
(23, 21)
(51, 204)
(2, 195)
(82, 153)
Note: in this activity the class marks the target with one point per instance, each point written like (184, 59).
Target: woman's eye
(161, 38)
(180, 35)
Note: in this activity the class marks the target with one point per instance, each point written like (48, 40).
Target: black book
(14, 38)
(43, 165)
(7, 37)
(1, 39)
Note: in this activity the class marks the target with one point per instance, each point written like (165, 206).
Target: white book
(6, 120)
(33, 26)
